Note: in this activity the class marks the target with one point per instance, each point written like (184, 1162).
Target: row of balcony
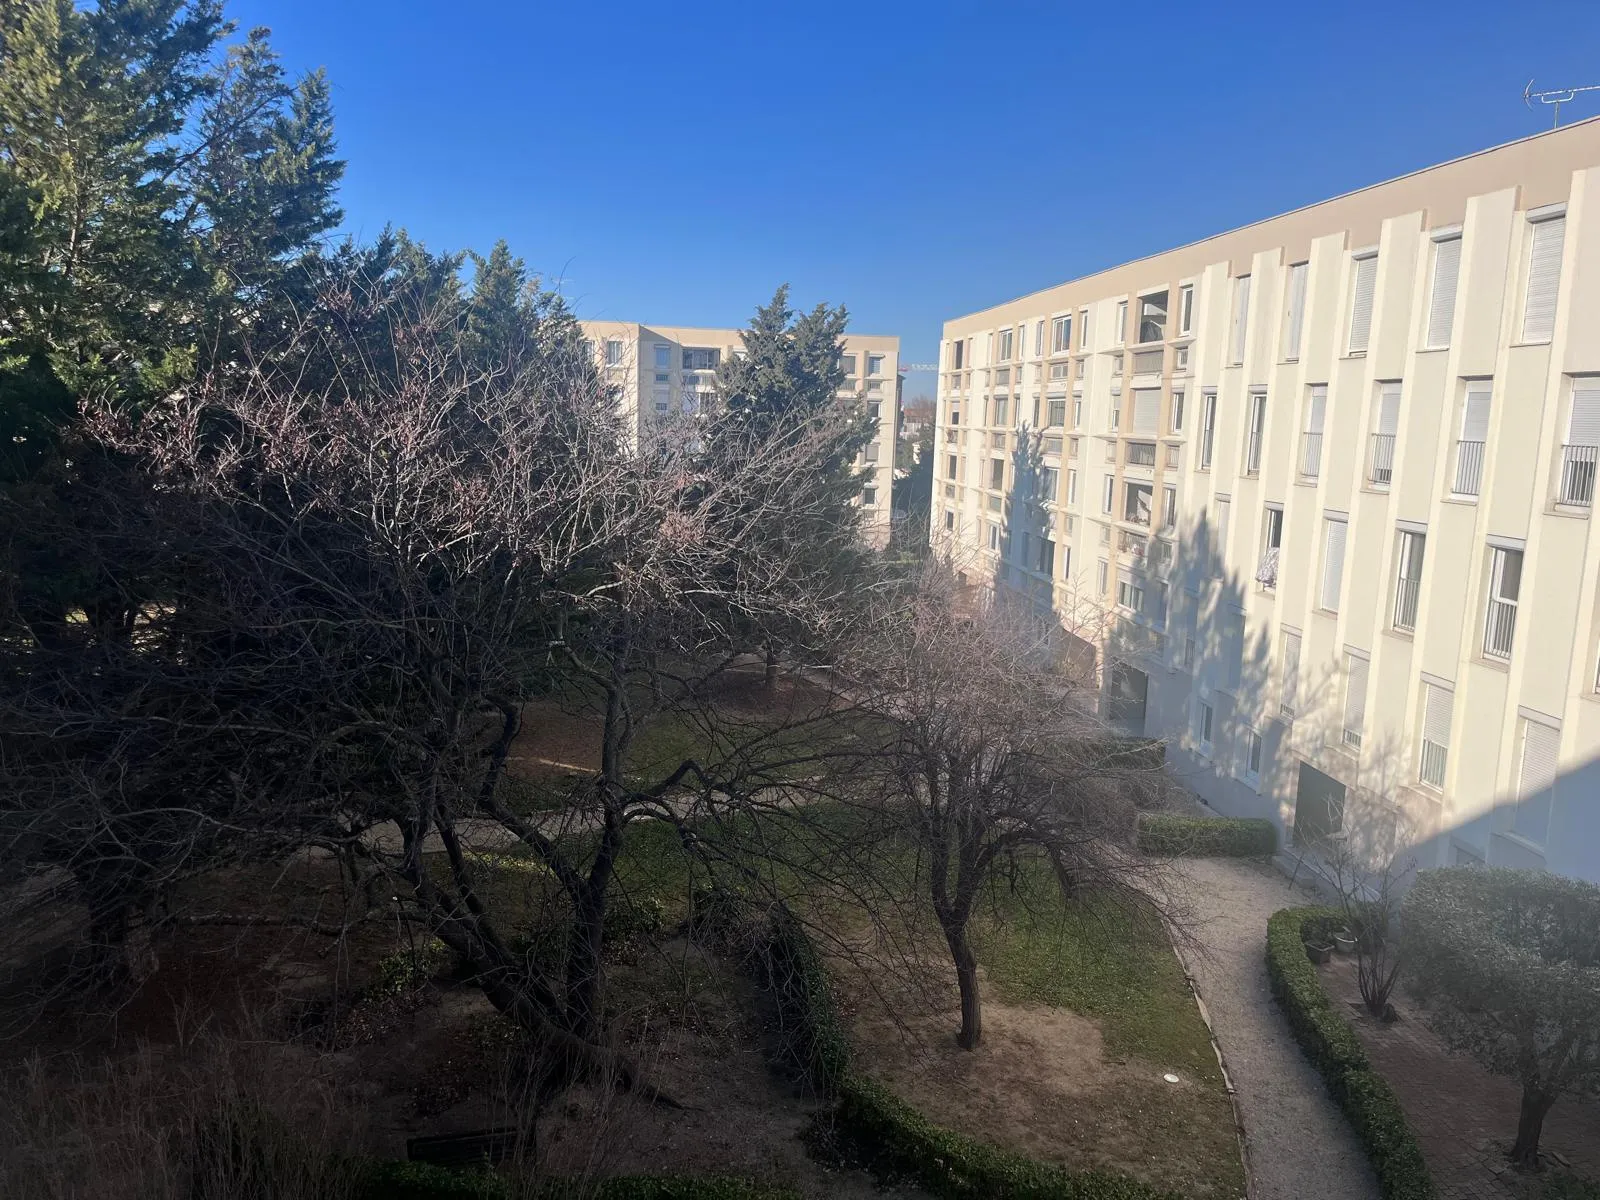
(1576, 486)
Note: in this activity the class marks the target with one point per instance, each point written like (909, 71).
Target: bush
(390, 1180)
(1332, 1046)
(1207, 837)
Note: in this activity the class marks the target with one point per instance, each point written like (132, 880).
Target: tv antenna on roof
(1555, 97)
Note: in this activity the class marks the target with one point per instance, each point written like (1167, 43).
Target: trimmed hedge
(393, 1180)
(883, 1133)
(1207, 837)
(1332, 1046)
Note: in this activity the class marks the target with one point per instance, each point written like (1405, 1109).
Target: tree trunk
(1535, 1104)
(771, 677)
(967, 979)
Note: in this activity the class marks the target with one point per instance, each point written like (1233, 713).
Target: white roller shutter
(1389, 410)
(1355, 693)
(1291, 673)
(1333, 565)
(1319, 408)
(1436, 716)
(1146, 410)
(1442, 307)
(1475, 415)
(1539, 744)
(1224, 507)
(1544, 280)
(1297, 311)
(1241, 316)
(1361, 303)
(1583, 423)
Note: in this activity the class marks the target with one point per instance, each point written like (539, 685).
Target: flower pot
(1344, 942)
(1319, 954)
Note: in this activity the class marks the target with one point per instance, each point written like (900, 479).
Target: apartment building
(662, 371)
(1321, 493)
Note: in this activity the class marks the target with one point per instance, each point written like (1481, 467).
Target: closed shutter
(1544, 280)
(1355, 693)
(1241, 316)
(1539, 744)
(1583, 425)
(1475, 416)
(1319, 408)
(1436, 716)
(1389, 409)
(1146, 410)
(1224, 507)
(1291, 673)
(1333, 565)
(1297, 311)
(1442, 308)
(1361, 303)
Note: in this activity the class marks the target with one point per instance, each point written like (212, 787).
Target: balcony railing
(1147, 362)
(1433, 762)
(1311, 455)
(1382, 459)
(1469, 468)
(1141, 454)
(1577, 475)
(1405, 604)
(1499, 626)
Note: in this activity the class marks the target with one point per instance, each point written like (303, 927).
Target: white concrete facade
(1321, 489)
(662, 370)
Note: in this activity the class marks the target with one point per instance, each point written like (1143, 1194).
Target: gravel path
(1298, 1144)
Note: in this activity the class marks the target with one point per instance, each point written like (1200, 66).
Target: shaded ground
(1298, 1143)
(1465, 1118)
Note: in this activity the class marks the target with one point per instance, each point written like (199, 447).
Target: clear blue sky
(674, 162)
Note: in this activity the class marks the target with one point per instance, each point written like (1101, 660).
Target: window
(1186, 308)
(1289, 696)
(951, 473)
(1005, 346)
(869, 496)
(1252, 756)
(1153, 317)
(1061, 334)
(871, 451)
(1077, 412)
(1442, 303)
(1038, 338)
(1435, 752)
(994, 536)
(1544, 278)
(1146, 410)
(1333, 535)
(1579, 451)
(1047, 556)
(1296, 318)
(1169, 508)
(949, 519)
(1271, 543)
(1224, 513)
(1116, 412)
(1408, 579)
(1381, 467)
(956, 355)
(1365, 269)
(874, 364)
(1107, 500)
(1177, 412)
(1203, 720)
(697, 358)
(997, 473)
(1311, 440)
(1136, 503)
(1072, 486)
(613, 352)
(1056, 413)
(1122, 322)
(1208, 427)
(1130, 592)
(663, 356)
(1500, 618)
(1474, 434)
(1002, 409)
(1103, 577)
(1258, 429)
(1241, 318)
(1535, 782)
(1049, 483)
(1083, 333)
(1355, 697)
(661, 396)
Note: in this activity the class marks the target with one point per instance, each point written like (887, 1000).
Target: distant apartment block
(1321, 491)
(665, 370)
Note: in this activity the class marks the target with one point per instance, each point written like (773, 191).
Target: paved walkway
(1297, 1143)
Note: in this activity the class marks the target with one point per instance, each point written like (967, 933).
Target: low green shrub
(393, 1180)
(1332, 1046)
(814, 1037)
(1207, 837)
